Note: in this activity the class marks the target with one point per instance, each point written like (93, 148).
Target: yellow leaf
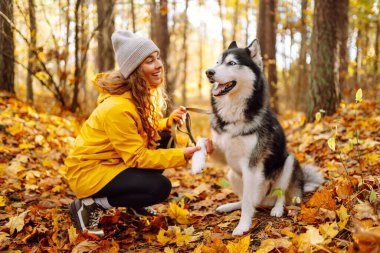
(17, 223)
(198, 249)
(15, 128)
(331, 143)
(72, 234)
(240, 247)
(161, 238)
(26, 145)
(271, 244)
(42, 75)
(318, 116)
(178, 212)
(311, 237)
(2, 201)
(168, 250)
(329, 230)
(343, 217)
(4, 236)
(359, 95)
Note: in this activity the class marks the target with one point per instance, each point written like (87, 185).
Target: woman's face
(151, 67)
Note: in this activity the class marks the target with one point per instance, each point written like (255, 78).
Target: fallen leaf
(239, 247)
(270, 244)
(17, 223)
(178, 212)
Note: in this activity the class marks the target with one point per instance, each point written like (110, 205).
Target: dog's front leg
(253, 179)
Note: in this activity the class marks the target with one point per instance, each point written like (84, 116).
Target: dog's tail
(313, 178)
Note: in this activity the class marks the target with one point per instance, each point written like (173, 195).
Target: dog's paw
(226, 208)
(240, 229)
(277, 211)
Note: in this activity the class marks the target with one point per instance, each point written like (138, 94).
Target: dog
(250, 139)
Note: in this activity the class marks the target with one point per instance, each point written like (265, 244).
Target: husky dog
(250, 138)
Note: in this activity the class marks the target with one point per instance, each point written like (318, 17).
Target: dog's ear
(254, 49)
(232, 45)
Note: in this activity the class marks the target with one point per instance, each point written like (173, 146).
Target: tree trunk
(185, 49)
(105, 55)
(6, 48)
(342, 36)
(153, 20)
(74, 104)
(236, 18)
(377, 56)
(32, 46)
(133, 15)
(324, 73)
(247, 9)
(266, 33)
(302, 79)
(221, 20)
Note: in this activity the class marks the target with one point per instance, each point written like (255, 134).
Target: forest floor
(342, 216)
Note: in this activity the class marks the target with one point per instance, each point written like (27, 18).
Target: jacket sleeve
(162, 125)
(122, 129)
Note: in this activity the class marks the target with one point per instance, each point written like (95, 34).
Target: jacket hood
(103, 95)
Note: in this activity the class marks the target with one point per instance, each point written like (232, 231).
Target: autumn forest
(320, 59)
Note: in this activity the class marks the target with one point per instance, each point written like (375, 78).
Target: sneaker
(143, 211)
(86, 217)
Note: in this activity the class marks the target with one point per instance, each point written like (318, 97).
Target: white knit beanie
(131, 50)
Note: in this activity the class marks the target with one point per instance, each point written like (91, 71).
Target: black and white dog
(251, 140)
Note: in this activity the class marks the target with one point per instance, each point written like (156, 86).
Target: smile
(221, 89)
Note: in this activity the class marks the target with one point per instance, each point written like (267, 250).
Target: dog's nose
(210, 73)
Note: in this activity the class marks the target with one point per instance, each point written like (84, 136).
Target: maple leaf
(17, 223)
(178, 212)
(311, 237)
(161, 238)
(240, 247)
(329, 230)
(270, 244)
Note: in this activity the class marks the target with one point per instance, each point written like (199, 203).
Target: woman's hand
(179, 115)
(189, 151)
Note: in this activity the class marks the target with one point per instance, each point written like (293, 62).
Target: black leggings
(136, 187)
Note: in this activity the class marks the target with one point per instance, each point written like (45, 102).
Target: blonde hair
(149, 102)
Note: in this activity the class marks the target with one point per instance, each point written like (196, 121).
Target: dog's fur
(250, 138)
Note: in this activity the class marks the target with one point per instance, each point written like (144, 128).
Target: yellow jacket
(110, 141)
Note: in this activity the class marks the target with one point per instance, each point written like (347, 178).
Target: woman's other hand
(179, 115)
(209, 146)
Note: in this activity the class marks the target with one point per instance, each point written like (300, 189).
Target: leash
(176, 127)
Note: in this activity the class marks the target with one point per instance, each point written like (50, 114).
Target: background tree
(32, 46)
(266, 33)
(105, 55)
(323, 77)
(6, 47)
(342, 37)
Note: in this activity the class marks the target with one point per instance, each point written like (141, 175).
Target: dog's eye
(231, 63)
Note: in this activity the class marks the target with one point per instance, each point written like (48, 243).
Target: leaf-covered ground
(342, 216)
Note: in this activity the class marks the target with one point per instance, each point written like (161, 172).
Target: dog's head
(236, 70)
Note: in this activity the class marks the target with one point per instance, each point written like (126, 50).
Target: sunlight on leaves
(175, 235)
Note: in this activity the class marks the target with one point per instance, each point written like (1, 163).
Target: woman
(115, 162)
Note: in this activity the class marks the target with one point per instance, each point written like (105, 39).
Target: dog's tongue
(218, 87)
